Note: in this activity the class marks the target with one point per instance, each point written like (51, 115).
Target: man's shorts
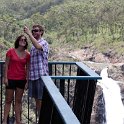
(35, 88)
(13, 84)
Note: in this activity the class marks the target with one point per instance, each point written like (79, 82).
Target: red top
(17, 65)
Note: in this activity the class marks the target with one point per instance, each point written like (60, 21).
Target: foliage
(73, 22)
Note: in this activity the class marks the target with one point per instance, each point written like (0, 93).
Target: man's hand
(27, 31)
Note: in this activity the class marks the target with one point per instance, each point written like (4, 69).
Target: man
(38, 63)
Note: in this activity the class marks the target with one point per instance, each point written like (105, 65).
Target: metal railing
(76, 82)
(55, 109)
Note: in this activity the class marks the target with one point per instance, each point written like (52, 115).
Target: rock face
(94, 59)
(115, 71)
(98, 111)
(97, 61)
(92, 54)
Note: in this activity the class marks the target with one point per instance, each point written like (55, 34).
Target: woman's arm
(27, 71)
(6, 70)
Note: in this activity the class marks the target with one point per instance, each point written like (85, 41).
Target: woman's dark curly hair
(18, 39)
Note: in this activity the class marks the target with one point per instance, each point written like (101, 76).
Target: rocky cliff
(96, 61)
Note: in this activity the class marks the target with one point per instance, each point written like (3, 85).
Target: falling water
(114, 108)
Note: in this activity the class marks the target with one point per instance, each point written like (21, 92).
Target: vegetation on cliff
(74, 23)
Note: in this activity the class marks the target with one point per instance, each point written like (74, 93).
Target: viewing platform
(67, 99)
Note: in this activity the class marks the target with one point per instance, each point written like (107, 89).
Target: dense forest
(71, 22)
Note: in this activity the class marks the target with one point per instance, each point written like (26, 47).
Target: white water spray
(113, 104)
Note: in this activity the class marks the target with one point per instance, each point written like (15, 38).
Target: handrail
(2, 61)
(87, 70)
(76, 77)
(82, 66)
(55, 62)
(62, 106)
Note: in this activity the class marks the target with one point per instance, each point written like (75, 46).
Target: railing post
(55, 117)
(89, 101)
(62, 87)
(83, 98)
(47, 106)
(50, 69)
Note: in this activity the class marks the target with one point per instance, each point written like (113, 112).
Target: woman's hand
(26, 85)
(5, 81)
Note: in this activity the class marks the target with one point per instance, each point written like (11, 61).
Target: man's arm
(33, 40)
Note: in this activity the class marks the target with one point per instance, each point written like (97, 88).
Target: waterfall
(114, 108)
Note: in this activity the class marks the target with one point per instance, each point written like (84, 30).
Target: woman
(16, 73)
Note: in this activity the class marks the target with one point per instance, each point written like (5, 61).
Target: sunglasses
(35, 30)
(22, 39)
